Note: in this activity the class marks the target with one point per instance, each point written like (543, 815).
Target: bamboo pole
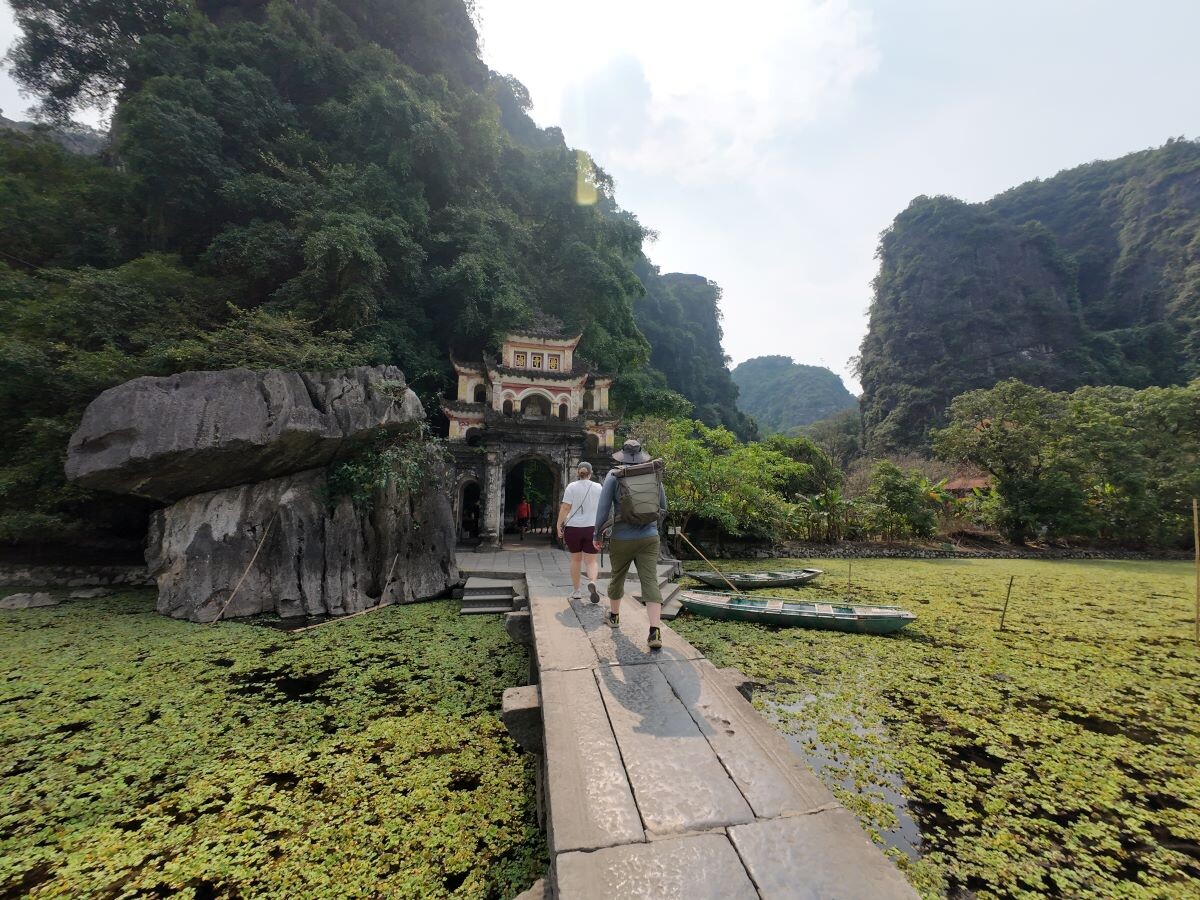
(849, 572)
(710, 565)
(1196, 547)
(1006, 596)
(361, 612)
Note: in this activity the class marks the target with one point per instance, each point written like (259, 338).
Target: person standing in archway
(576, 516)
(524, 511)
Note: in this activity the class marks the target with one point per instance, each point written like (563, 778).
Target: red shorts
(579, 539)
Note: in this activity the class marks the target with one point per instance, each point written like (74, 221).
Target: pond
(1058, 757)
(145, 756)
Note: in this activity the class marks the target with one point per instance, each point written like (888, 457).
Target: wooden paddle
(710, 565)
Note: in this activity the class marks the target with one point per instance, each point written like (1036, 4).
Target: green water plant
(151, 757)
(1058, 757)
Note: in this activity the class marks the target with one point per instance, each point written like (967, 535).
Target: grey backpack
(638, 489)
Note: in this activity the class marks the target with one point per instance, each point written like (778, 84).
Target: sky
(768, 143)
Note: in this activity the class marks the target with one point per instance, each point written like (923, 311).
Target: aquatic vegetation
(1059, 757)
(147, 757)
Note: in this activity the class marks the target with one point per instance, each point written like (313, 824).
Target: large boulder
(317, 558)
(167, 438)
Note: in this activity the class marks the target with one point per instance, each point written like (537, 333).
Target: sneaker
(577, 595)
(655, 639)
(593, 594)
(612, 620)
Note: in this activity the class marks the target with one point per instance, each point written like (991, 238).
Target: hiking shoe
(577, 595)
(593, 594)
(655, 639)
(612, 620)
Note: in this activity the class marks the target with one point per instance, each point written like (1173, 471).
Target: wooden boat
(780, 611)
(748, 581)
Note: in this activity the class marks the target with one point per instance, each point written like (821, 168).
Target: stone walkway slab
(677, 780)
(817, 857)
(590, 801)
(774, 781)
(699, 867)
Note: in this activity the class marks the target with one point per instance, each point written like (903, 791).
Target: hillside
(680, 317)
(297, 185)
(1089, 277)
(780, 394)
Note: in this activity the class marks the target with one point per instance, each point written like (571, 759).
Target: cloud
(690, 90)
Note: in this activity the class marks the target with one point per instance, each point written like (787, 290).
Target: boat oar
(710, 565)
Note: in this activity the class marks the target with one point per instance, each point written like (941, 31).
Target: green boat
(748, 581)
(779, 611)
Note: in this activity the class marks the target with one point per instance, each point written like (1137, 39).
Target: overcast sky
(768, 142)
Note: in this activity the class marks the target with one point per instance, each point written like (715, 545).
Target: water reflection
(836, 768)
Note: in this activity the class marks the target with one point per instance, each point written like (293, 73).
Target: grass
(1059, 757)
(146, 757)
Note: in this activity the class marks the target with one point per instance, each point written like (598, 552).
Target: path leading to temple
(660, 779)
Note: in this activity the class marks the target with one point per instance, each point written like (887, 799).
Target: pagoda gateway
(519, 427)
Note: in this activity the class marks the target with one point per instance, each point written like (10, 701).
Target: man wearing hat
(631, 543)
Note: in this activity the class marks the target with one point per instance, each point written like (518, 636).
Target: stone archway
(538, 479)
(469, 509)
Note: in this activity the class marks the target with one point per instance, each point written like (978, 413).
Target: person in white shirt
(576, 520)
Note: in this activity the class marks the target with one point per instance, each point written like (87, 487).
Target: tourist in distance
(633, 495)
(524, 511)
(576, 517)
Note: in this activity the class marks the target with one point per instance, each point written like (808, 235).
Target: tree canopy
(328, 182)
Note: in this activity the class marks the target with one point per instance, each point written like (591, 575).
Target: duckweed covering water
(1060, 757)
(148, 757)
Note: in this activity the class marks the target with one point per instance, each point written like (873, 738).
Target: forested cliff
(301, 185)
(1089, 277)
(780, 394)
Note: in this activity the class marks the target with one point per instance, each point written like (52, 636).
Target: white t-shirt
(584, 497)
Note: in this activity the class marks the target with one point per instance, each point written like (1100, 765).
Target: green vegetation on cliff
(781, 395)
(300, 185)
(680, 317)
(1090, 277)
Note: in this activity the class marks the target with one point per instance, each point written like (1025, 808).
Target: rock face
(167, 438)
(316, 559)
(244, 458)
(27, 601)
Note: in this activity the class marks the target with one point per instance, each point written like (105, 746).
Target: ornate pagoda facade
(536, 403)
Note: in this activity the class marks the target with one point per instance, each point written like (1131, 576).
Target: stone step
(488, 587)
(485, 607)
(490, 598)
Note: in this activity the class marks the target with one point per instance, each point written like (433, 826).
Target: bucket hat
(631, 453)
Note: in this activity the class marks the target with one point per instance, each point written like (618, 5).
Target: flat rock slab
(559, 640)
(818, 857)
(168, 438)
(590, 801)
(774, 781)
(697, 867)
(677, 779)
(626, 645)
(27, 601)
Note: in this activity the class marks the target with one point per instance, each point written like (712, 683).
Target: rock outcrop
(167, 438)
(315, 559)
(251, 527)
(27, 601)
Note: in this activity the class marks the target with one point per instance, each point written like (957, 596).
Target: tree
(1013, 430)
(711, 477)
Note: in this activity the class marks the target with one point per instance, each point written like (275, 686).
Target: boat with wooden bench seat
(780, 611)
(748, 581)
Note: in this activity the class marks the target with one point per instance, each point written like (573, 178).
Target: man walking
(635, 490)
(576, 517)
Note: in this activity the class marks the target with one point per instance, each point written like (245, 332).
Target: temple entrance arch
(536, 479)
